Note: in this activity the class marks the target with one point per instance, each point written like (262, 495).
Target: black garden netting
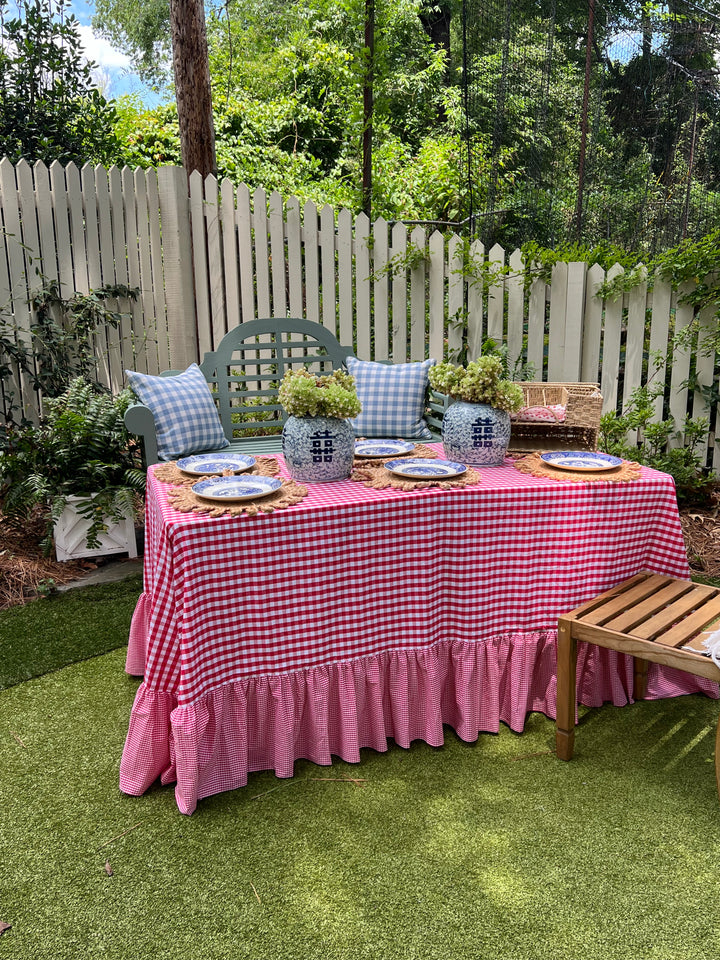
(593, 121)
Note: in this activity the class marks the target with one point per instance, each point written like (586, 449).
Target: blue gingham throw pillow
(186, 418)
(392, 397)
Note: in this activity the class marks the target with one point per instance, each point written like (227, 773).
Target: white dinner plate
(418, 468)
(382, 448)
(581, 460)
(224, 489)
(203, 464)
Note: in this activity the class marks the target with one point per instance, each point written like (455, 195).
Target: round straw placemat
(375, 475)
(625, 473)
(170, 472)
(183, 499)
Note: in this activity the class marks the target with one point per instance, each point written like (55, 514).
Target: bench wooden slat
(662, 621)
(590, 605)
(648, 608)
(615, 605)
(691, 625)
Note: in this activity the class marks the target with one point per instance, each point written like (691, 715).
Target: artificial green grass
(48, 634)
(487, 851)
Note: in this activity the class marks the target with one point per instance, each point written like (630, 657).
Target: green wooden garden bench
(244, 375)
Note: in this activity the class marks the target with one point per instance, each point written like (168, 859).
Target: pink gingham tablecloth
(360, 615)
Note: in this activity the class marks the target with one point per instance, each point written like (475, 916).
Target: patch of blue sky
(113, 72)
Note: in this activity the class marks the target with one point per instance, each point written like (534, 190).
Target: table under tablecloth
(362, 615)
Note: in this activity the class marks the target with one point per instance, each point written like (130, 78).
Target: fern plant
(80, 449)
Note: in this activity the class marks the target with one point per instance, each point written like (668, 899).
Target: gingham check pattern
(186, 418)
(359, 615)
(392, 398)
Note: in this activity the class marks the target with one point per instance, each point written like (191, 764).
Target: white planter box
(71, 533)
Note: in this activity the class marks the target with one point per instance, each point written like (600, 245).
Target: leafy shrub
(693, 482)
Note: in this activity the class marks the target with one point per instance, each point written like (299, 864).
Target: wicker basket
(578, 431)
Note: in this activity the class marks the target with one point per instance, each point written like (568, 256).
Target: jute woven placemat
(170, 472)
(375, 475)
(625, 473)
(421, 451)
(184, 500)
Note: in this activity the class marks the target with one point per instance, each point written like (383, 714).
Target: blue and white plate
(224, 489)
(382, 448)
(420, 469)
(203, 464)
(581, 460)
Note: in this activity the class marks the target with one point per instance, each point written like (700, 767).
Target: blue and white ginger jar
(476, 434)
(318, 449)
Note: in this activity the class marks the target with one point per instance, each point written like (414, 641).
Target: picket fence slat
(277, 254)
(207, 255)
(496, 299)
(60, 214)
(312, 262)
(17, 283)
(380, 260)
(574, 308)
(611, 346)
(659, 334)
(147, 292)
(362, 286)
(120, 261)
(136, 356)
(46, 230)
(200, 264)
(704, 363)
(109, 336)
(345, 272)
(681, 366)
(418, 297)
(475, 304)
(398, 256)
(81, 282)
(262, 252)
(456, 301)
(245, 254)
(436, 297)
(327, 267)
(157, 275)
(294, 244)
(536, 327)
(557, 362)
(592, 326)
(515, 310)
(231, 293)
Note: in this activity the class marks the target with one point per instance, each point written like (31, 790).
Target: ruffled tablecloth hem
(269, 722)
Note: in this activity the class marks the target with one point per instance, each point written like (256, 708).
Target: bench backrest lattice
(245, 370)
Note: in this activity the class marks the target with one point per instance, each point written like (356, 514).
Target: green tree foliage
(50, 108)
(288, 81)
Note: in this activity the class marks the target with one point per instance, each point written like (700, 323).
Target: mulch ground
(25, 572)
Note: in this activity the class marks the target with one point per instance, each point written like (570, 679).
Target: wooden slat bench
(649, 617)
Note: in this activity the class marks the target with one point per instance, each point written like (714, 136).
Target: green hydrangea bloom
(480, 382)
(304, 394)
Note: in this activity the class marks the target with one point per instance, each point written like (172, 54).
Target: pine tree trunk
(192, 85)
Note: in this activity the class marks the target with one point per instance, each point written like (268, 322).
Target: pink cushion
(552, 413)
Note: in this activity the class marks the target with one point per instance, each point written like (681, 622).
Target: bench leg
(566, 692)
(640, 672)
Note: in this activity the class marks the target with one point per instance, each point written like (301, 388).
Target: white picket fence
(211, 256)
